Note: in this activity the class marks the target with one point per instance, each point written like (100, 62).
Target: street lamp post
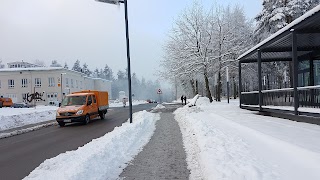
(34, 95)
(61, 87)
(128, 48)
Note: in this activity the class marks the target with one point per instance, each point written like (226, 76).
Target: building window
(10, 83)
(51, 82)
(37, 82)
(24, 97)
(12, 96)
(24, 82)
(71, 83)
(76, 84)
(67, 82)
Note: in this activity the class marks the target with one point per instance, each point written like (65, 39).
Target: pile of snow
(223, 141)
(102, 158)
(18, 117)
(193, 100)
(159, 106)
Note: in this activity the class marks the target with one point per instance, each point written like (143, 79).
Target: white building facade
(51, 83)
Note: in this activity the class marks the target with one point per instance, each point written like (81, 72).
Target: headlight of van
(79, 112)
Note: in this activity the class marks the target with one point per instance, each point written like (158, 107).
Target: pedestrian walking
(182, 99)
(124, 102)
(185, 100)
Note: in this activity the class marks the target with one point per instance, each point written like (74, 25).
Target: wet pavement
(164, 156)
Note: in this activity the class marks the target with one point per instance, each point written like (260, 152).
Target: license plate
(67, 120)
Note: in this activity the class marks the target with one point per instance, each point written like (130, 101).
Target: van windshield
(73, 101)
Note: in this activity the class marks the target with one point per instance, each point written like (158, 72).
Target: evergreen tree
(86, 70)
(66, 65)
(76, 66)
(107, 72)
(121, 75)
(276, 14)
(136, 89)
(96, 73)
(101, 74)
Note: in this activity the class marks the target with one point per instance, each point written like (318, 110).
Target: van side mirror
(59, 104)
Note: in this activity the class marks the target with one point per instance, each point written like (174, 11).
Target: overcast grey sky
(93, 32)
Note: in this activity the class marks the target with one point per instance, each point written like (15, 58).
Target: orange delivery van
(5, 102)
(82, 107)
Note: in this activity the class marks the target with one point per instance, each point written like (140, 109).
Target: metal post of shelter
(295, 71)
(240, 84)
(260, 80)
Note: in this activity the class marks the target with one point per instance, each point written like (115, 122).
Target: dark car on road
(20, 105)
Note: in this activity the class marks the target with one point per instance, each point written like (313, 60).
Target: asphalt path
(20, 154)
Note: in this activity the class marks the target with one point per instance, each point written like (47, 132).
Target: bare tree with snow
(1, 65)
(203, 43)
(188, 49)
(55, 63)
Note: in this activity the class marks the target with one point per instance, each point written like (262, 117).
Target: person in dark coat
(185, 100)
(182, 99)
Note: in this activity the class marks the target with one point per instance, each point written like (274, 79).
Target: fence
(309, 96)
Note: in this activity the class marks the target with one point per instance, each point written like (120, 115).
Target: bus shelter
(297, 47)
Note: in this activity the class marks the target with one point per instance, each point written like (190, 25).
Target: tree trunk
(207, 87)
(197, 87)
(234, 89)
(194, 91)
(219, 87)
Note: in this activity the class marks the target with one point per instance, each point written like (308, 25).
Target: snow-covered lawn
(223, 141)
(18, 117)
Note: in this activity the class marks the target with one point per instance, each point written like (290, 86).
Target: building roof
(278, 47)
(22, 62)
(32, 69)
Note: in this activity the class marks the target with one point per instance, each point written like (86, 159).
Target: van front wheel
(102, 115)
(61, 124)
(87, 119)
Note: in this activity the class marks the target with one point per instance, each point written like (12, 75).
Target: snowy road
(19, 155)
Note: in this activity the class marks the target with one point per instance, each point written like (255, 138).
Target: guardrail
(309, 96)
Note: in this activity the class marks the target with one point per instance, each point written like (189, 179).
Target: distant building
(50, 82)
(21, 64)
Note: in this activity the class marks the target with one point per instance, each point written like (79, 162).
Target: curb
(22, 131)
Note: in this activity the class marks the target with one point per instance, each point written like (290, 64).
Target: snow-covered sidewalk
(223, 141)
(104, 157)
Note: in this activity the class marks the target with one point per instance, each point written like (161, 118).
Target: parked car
(20, 105)
(151, 101)
(5, 102)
